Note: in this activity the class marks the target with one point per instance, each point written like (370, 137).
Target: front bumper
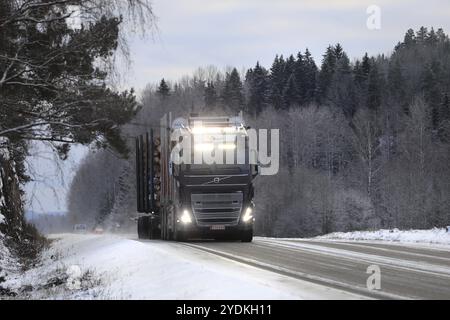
(193, 230)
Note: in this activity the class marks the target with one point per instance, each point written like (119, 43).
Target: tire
(247, 235)
(154, 231)
(179, 236)
(143, 226)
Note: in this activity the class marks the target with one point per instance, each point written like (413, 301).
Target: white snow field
(432, 236)
(8, 263)
(119, 267)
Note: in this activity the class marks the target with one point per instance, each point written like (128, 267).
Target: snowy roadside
(114, 267)
(433, 236)
(8, 265)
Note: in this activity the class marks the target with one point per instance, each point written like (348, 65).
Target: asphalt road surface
(406, 271)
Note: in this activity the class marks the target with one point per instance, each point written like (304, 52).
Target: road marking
(368, 258)
(368, 245)
(301, 275)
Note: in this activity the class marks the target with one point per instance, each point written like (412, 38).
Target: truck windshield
(220, 150)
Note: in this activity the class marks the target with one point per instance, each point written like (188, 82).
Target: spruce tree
(232, 95)
(441, 36)
(362, 70)
(341, 93)
(163, 89)
(410, 38)
(290, 94)
(258, 86)
(445, 108)
(431, 91)
(300, 78)
(289, 68)
(422, 35)
(310, 78)
(326, 72)
(210, 94)
(374, 88)
(338, 51)
(444, 127)
(396, 85)
(277, 82)
(432, 38)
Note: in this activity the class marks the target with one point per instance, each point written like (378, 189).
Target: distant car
(80, 228)
(98, 230)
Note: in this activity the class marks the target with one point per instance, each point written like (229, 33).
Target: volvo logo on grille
(216, 180)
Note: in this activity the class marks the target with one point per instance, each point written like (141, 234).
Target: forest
(56, 88)
(365, 142)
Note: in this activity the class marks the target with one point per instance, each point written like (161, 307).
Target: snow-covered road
(407, 271)
(123, 267)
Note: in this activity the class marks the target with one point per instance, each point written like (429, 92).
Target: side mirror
(254, 162)
(255, 170)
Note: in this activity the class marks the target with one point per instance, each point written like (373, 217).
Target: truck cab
(204, 180)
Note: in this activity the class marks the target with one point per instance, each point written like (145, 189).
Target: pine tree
(210, 95)
(53, 89)
(277, 82)
(258, 85)
(289, 68)
(326, 72)
(338, 51)
(374, 88)
(300, 78)
(396, 85)
(445, 108)
(341, 93)
(343, 64)
(362, 70)
(410, 38)
(441, 36)
(310, 78)
(432, 38)
(422, 35)
(232, 94)
(163, 89)
(444, 126)
(290, 94)
(432, 94)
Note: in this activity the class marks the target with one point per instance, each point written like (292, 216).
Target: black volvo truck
(182, 200)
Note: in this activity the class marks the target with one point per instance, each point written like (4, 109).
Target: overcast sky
(195, 33)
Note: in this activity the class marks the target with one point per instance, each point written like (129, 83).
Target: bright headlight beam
(204, 147)
(247, 215)
(205, 130)
(227, 146)
(186, 217)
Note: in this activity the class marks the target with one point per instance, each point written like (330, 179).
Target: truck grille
(217, 208)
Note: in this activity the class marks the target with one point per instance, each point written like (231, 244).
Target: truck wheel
(247, 235)
(154, 230)
(142, 226)
(179, 235)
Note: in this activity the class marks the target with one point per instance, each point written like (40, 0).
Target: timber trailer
(182, 201)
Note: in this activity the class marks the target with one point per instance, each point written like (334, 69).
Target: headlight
(204, 147)
(213, 130)
(186, 217)
(227, 146)
(247, 215)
